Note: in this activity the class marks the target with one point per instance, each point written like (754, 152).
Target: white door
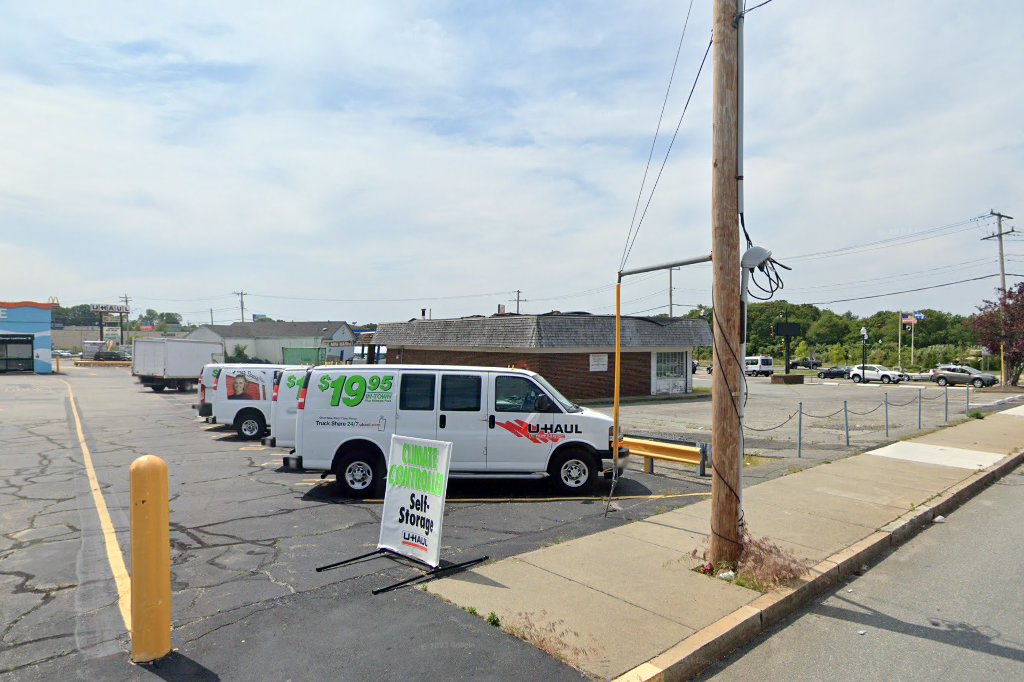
(417, 405)
(519, 438)
(462, 418)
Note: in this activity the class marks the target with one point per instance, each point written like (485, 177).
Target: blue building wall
(26, 317)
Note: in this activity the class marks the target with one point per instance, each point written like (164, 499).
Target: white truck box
(173, 363)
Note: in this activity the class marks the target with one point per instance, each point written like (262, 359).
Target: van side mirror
(543, 403)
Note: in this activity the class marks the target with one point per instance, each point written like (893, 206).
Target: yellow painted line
(114, 555)
(252, 447)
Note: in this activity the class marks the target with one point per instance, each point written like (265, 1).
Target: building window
(416, 392)
(460, 393)
(671, 365)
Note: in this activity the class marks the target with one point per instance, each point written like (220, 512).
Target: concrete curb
(708, 645)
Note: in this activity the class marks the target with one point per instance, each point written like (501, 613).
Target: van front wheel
(573, 471)
(360, 474)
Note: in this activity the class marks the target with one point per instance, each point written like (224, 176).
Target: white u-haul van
(503, 423)
(205, 385)
(284, 404)
(241, 397)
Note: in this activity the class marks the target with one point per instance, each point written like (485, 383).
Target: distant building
(575, 351)
(265, 340)
(25, 342)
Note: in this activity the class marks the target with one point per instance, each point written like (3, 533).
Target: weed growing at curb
(553, 638)
(471, 610)
(492, 619)
(762, 565)
(976, 414)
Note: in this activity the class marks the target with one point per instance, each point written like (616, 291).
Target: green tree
(828, 329)
(76, 316)
(998, 325)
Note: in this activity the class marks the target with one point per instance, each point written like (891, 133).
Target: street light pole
(864, 354)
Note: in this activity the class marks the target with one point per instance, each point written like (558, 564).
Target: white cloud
(395, 150)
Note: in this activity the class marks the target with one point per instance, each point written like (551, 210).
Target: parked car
(61, 354)
(806, 363)
(110, 356)
(758, 365)
(841, 372)
(865, 373)
(959, 374)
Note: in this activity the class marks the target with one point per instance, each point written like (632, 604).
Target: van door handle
(490, 421)
(443, 421)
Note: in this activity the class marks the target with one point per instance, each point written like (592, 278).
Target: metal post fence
(919, 409)
(886, 415)
(945, 411)
(846, 423)
(800, 430)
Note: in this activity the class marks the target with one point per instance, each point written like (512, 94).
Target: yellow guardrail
(651, 450)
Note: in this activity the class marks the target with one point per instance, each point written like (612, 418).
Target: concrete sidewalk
(626, 602)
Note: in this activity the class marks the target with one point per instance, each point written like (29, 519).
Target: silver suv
(959, 374)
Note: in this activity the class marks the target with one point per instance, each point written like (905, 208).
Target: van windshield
(566, 404)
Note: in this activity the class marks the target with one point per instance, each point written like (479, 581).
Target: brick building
(575, 351)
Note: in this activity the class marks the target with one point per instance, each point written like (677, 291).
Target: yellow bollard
(151, 560)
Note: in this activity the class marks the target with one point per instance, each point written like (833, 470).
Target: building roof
(575, 330)
(273, 330)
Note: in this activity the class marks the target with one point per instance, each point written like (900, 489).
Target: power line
(657, 129)
(938, 269)
(862, 247)
(664, 161)
(381, 300)
(905, 291)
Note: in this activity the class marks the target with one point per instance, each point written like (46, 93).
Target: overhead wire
(664, 161)
(923, 235)
(904, 291)
(657, 130)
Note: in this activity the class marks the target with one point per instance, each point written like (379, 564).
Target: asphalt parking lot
(246, 537)
(247, 534)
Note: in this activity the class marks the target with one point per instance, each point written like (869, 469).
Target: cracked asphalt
(246, 537)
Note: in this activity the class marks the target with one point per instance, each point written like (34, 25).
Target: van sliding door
(462, 419)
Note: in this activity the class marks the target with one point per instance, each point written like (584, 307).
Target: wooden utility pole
(241, 302)
(1002, 285)
(725, 253)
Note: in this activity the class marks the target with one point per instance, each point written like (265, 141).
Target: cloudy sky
(361, 161)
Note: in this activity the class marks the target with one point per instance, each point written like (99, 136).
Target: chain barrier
(788, 419)
(861, 414)
(823, 416)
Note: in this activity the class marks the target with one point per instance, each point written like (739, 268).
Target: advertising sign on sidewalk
(414, 498)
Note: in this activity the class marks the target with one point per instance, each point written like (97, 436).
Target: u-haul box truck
(241, 397)
(284, 404)
(172, 363)
(503, 423)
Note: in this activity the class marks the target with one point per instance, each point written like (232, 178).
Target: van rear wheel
(574, 471)
(360, 473)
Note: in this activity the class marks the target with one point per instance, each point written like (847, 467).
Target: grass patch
(754, 460)
(975, 414)
(762, 565)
